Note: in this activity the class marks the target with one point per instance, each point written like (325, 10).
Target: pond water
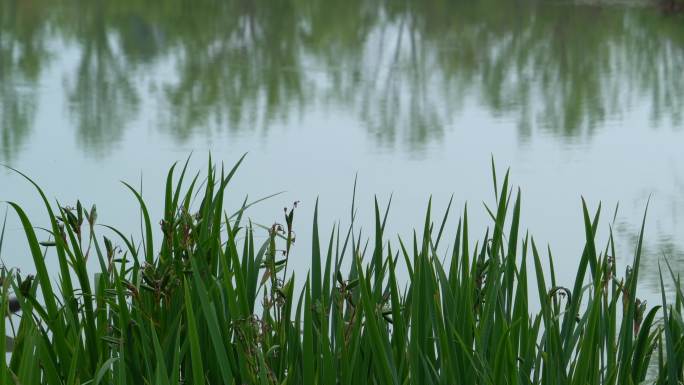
(578, 99)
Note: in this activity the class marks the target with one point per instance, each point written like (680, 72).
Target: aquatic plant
(207, 303)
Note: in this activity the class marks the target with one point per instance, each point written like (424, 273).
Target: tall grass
(207, 303)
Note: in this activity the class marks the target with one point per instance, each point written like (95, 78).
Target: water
(579, 99)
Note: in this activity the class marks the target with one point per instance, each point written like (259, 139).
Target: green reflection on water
(404, 70)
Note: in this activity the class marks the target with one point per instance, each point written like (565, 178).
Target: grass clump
(207, 303)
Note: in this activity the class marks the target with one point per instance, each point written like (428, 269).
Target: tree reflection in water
(403, 70)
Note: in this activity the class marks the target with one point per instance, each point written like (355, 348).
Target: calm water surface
(578, 99)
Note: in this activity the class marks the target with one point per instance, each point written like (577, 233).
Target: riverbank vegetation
(210, 302)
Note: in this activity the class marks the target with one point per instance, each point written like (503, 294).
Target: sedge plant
(206, 303)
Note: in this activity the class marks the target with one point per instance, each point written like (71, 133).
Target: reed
(207, 303)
